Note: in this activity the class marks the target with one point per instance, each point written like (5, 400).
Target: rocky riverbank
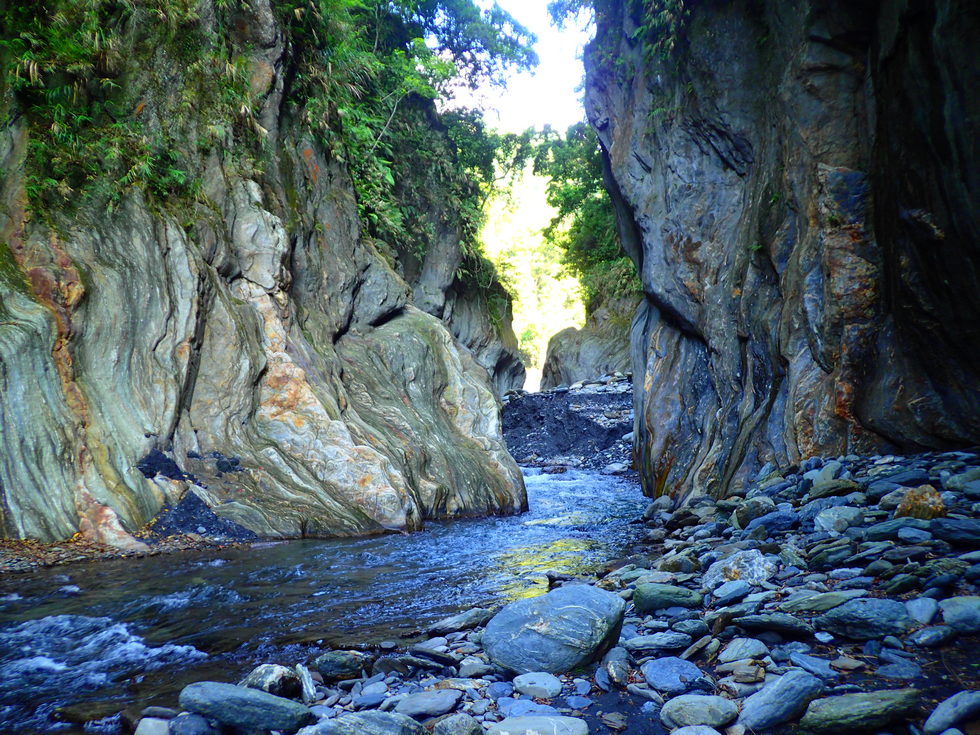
(838, 596)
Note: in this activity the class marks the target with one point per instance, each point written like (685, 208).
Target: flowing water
(135, 631)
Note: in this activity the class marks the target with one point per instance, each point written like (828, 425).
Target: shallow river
(136, 631)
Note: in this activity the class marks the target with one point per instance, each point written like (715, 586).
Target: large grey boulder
(246, 709)
(556, 632)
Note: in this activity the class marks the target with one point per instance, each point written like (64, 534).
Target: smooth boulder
(698, 709)
(539, 725)
(867, 618)
(567, 627)
(246, 709)
(366, 723)
(859, 712)
(653, 596)
(781, 701)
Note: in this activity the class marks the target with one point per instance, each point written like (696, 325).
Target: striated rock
(556, 632)
(797, 282)
(252, 335)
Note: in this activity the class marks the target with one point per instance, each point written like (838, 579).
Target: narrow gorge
(280, 281)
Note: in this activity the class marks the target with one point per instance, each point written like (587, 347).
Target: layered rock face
(794, 182)
(601, 347)
(257, 340)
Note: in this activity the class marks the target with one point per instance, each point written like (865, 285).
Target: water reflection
(214, 614)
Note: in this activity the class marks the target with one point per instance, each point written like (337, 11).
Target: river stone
(539, 726)
(935, 635)
(616, 664)
(951, 712)
(922, 609)
(859, 712)
(152, 726)
(698, 709)
(837, 520)
(749, 566)
(731, 591)
(568, 627)
(650, 597)
(753, 508)
(743, 648)
(695, 730)
(338, 665)
(780, 702)
(777, 622)
(821, 602)
(538, 684)
(246, 709)
(957, 531)
(274, 679)
(668, 640)
(889, 529)
(366, 723)
(468, 620)
(670, 674)
(429, 704)
(962, 614)
(458, 724)
(866, 618)
(190, 724)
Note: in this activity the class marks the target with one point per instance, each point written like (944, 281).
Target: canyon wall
(796, 183)
(249, 342)
(600, 347)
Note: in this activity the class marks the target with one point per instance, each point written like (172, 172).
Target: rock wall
(795, 182)
(254, 338)
(601, 347)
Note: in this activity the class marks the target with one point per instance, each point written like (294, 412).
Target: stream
(86, 641)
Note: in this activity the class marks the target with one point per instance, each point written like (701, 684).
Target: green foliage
(584, 226)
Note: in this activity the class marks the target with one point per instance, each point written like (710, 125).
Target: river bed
(97, 638)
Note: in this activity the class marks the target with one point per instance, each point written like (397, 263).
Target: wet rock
(650, 597)
(340, 665)
(698, 709)
(247, 709)
(429, 704)
(538, 725)
(959, 708)
(780, 702)
(859, 712)
(962, 614)
(538, 684)
(867, 618)
(366, 723)
(556, 632)
(670, 675)
(751, 567)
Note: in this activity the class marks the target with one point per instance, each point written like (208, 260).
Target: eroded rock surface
(795, 185)
(257, 341)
